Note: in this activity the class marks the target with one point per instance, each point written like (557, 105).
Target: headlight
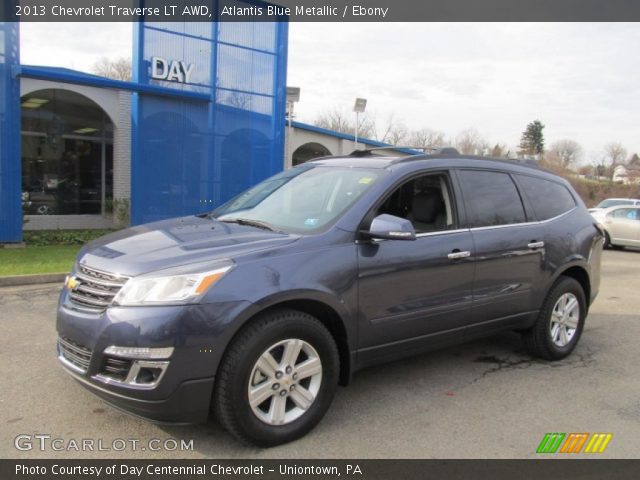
(166, 289)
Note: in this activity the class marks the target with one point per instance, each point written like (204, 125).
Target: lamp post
(358, 107)
(293, 97)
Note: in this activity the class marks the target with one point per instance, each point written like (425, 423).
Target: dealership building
(202, 119)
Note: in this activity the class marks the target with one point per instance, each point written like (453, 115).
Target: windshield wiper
(252, 223)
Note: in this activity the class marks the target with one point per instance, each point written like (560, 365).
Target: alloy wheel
(564, 319)
(285, 381)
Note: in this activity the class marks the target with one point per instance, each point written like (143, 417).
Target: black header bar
(122, 469)
(322, 10)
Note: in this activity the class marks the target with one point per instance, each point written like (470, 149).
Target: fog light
(148, 375)
(140, 352)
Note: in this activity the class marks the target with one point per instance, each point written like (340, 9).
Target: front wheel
(560, 321)
(277, 379)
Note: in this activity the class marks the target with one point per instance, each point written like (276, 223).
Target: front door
(409, 291)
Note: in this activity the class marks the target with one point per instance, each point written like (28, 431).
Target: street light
(293, 97)
(358, 107)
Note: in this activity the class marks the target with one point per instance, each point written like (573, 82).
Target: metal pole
(357, 124)
(289, 159)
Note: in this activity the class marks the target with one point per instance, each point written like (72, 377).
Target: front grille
(74, 353)
(116, 368)
(95, 289)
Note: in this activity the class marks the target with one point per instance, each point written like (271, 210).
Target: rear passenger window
(491, 198)
(548, 199)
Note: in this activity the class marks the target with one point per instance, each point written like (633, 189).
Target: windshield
(613, 203)
(302, 200)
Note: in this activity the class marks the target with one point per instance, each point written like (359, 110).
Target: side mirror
(390, 227)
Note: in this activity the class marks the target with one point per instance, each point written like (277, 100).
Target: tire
(609, 245)
(545, 339)
(270, 336)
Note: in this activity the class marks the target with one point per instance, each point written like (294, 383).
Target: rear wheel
(277, 378)
(608, 244)
(560, 321)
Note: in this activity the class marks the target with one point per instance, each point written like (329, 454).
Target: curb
(16, 280)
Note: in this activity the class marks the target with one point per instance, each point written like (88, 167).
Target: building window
(67, 154)
(309, 151)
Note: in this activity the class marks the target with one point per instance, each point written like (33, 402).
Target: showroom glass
(548, 199)
(302, 200)
(67, 154)
(491, 198)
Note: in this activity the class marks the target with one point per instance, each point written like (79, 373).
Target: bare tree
(392, 131)
(470, 142)
(339, 120)
(564, 153)
(426, 138)
(500, 150)
(335, 120)
(117, 69)
(616, 154)
(395, 134)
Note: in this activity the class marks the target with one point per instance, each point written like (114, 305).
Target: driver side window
(425, 201)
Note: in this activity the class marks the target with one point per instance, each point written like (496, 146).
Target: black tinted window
(548, 199)
(491, 198)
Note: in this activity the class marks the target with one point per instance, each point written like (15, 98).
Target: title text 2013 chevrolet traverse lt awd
(257, 310)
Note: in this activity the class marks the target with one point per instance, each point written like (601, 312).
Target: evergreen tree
(532, 140)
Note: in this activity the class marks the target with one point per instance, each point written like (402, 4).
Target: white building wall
(336, 145)
(106, 98)
(122, 148)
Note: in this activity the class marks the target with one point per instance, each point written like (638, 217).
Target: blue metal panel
(189, 156)
(81, 78)
(10, 164)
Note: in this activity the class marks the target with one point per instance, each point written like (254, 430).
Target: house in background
(627, 174)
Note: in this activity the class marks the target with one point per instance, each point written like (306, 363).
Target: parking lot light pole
(358, 107)
(293, 96)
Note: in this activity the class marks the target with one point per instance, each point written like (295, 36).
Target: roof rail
(432, 150)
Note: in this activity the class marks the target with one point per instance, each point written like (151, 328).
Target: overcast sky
(580, 80)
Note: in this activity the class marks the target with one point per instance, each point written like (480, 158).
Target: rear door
(509, 248)
(623, 225)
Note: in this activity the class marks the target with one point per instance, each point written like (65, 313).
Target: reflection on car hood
(181, 241)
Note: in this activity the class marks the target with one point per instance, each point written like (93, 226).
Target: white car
(621, 225)
(614, 202)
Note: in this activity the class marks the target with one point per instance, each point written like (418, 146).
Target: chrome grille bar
(96, 289)
(75, 354)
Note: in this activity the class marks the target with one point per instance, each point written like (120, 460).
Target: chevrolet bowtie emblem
(72, 283)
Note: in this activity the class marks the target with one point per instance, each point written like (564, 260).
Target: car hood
(171, 243)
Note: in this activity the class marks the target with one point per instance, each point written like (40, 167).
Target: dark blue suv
(259, 309)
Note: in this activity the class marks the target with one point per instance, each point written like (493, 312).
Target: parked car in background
(614, 202)
(621, 226)
(257, 310)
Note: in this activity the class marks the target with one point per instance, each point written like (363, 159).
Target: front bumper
(197, 333)
(190, 403)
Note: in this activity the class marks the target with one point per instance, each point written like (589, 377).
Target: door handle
(458, 254)
(534, 245)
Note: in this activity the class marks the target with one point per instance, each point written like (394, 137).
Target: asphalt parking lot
(486, 399)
